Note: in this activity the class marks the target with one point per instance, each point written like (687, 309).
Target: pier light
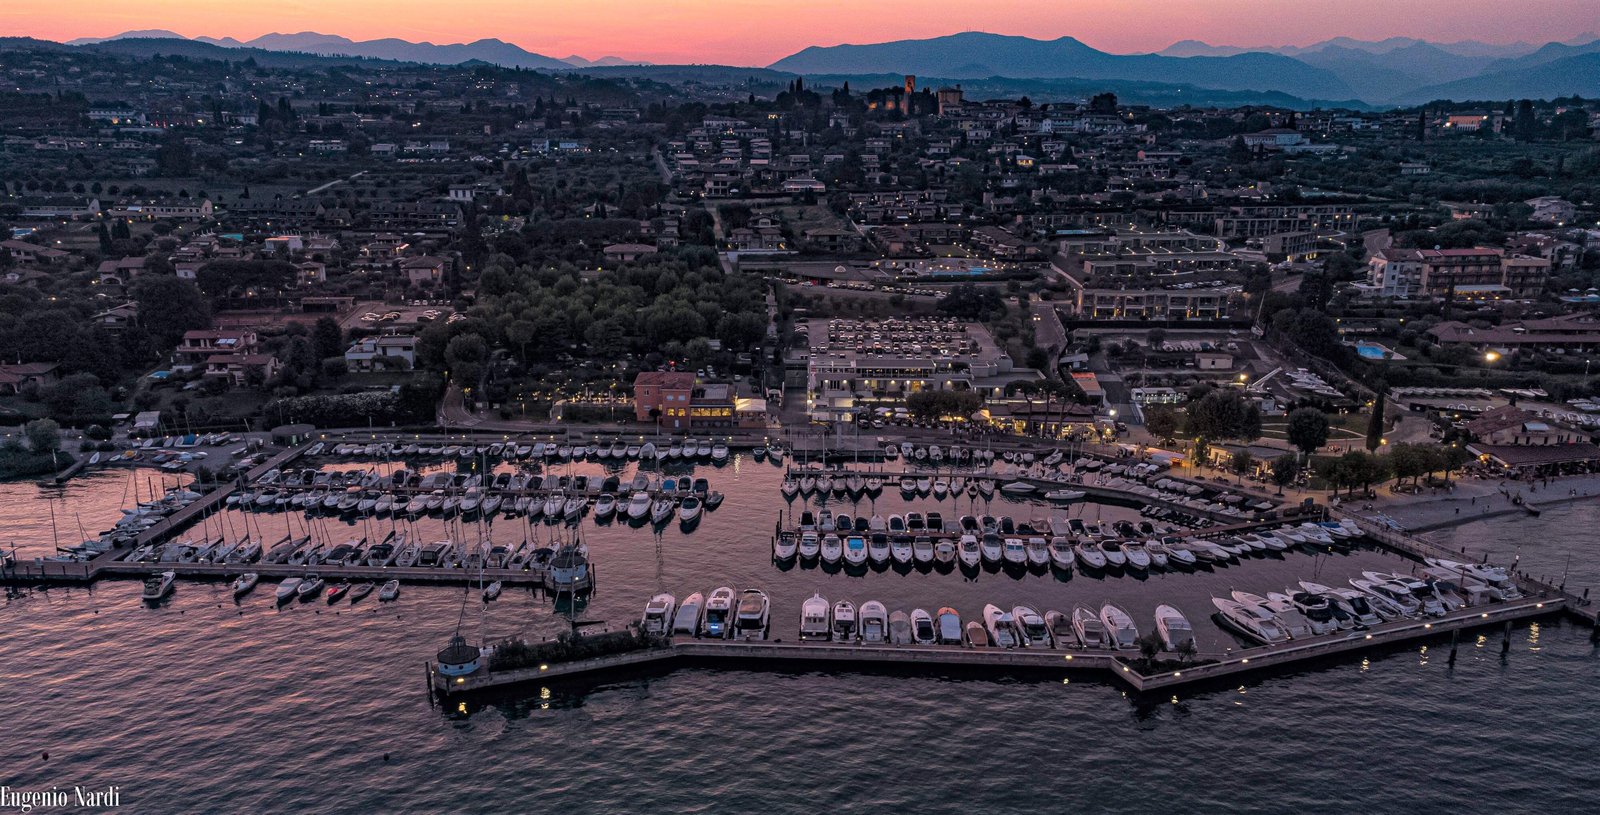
(1176, 673)
(461, 680)
(1484, 615)
(1427, 625)
(1069, 657)
(1245, 661)
(1538, 605)
(544, 667)
(1124, 669)
(1369, 636)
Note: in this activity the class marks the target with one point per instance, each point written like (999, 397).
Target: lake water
(204, 705)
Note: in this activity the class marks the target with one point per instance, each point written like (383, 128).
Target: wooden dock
(1120, 665)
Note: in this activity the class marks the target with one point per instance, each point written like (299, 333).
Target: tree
(326, 338)
(1307, 429)
(169, 306)
(1242, 463)
(1285, 469)
(1375, 422)
(467, 358)
(44, 435)
(1225, 414)
(1162, 421)
(1454, 458)
(1149, 647)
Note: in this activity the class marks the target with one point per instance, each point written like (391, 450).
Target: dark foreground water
(202, 705)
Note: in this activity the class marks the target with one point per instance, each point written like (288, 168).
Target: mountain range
(492, 51)
(1342, 70)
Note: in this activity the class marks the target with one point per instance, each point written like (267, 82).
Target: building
(1526, 443)
(13, 378)
(239, 369)
(1567, 333)
(1395, 272)
(200, 347)
(1471, 274)
(1513, 425)
(386, 352)
(663, 396)
(25, 252)
(423, 272)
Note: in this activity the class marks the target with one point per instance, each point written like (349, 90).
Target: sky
(759, 32)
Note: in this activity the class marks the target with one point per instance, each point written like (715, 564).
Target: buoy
(45, 756)
(385, 756)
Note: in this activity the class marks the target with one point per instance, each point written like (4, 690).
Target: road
(1047, 327)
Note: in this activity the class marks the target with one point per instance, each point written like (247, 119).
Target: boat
(855, 550)
(662, 509)
(809, 545)
(977, 635)
(901, 549)
(832, 548)
(816, 618)
(1138, 559)
(310, 586)
(948, 625)
(605, 506)
(1090, 555)
(1065, 495)
(923, 631)
(158, 586)
(790, 488)
(1252, 623)
(1396, 593)
(719, 455)
(844, 621)
(689, 510)
(1090, 630)
(1017, 488)
(338, 591)
(1176, 633)
(922, 549)
(1123, 634)
(1014, 551)
(288, 588)
(1061, 553)
(1038, 552)
(875, 622)
(899, 628)
(751, 618)
(491, 591)
(719, 613)
(639, 505)
(944, 551)
(1000, 626)
(245, 583)
(1429, 603)
(1112, 549)
(657, 618)
(1032, 631)
(687, 619)
(1060, 625)
(359, 591)
(390, 590)
(785, 545)
(969, 551)
(991, 547)
(877, 548)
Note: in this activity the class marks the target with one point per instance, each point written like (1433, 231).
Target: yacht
(1351, 602)
(878, 548)
(809, 545)
(1065, 496)
(754, 610)
(1124, 635)
(991, 547)
(969, 551)
(1290, 621)
(1031, 627)
(1091, 556)
(1176, 633)
(785, 545)
(288, 588)
(1089, 628)
(855, 550)
(1138, 559)
(689, 510)
(901, 549)
(1254, 624)
(639, 506)
(657, 618)
(1061, 553)
(662, 509)
(844, 621)
(949, 626)
(1038, 552)
(922, 628)
(687, 618)
(875, 623)
(944, 551)
(816, 618)
(1317, 610)
(1112, 549)
(158, 586)
(245, 583)
(1000, 626)
(605, 506)
(922, 549)
(1395, 594)
(832, 549)
(390, 591)
(719, 613)
(1428, 601)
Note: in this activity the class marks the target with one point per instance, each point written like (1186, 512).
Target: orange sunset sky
(758, 32)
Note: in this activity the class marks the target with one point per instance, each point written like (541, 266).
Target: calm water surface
(204, 705)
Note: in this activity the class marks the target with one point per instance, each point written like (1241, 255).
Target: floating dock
(1206, 668)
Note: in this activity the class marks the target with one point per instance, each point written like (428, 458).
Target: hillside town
(1302, 296)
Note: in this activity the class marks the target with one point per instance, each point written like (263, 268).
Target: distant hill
(193, 49)
(603, 62)
(149, 34)
(977, 55)
(1577, 75)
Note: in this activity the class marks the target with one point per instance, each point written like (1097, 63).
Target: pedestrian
(1458, 510)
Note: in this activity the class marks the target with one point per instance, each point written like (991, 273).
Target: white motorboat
(687, 618)
(832, 548)
(689, 509)
(390, 590)
(874, 623)
(1290, 621)
(657, 618)
(1429, 603)
(1038, 552)
(992, 548)
(790, 488)
(719, 613)
(1017, 488)
(752, 615)
(492, 591)
(1090, 555)
(639, 506)
(158, 586)
(809, 545)
(921, 549)
(1061, 632)
(1396, 596)
(1176, 633)
(1124, 635)
(1000, 626)
(1061, 553)
(1091, 632)
(944, 551)
(1065, 495)
(661, 510)
(1031, 628)
(923, 631)
(844, 621)
(310, 586)
(816, 618)
(785, 544)
(1112, 549)
(1134, 552)
(855, 550)
(605, 506)
(1250, 622)
(1014, 551)
(970, 551)
(899, 628)
(901, 549)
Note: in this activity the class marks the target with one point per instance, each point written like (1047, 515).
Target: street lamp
(1491, 357)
